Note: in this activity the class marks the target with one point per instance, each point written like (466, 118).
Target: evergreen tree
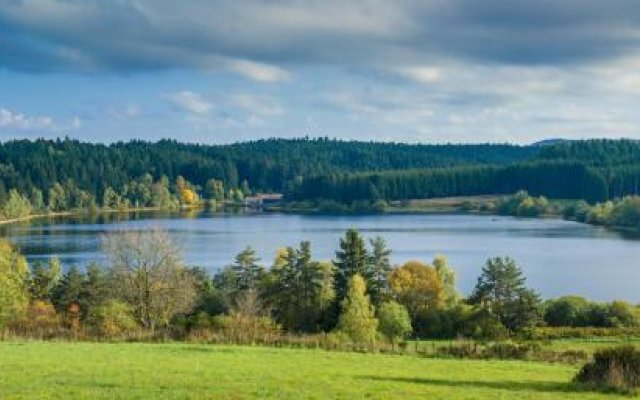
(351, 259)
(380, 270)
(95, 289)
(69, 290)
(246, 270)
(502, 293)
(44, 278)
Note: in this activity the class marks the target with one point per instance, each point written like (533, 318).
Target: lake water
(558, 257)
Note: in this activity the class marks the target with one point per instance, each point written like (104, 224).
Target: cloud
(405, 70)
(258, 39)
(422, 74)
(190, 102)
(14, 121)
(259, 72)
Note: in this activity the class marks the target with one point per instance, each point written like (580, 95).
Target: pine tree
(246, 269)
(501, 292)
(380, 270)
(69, 290)
(351, 259)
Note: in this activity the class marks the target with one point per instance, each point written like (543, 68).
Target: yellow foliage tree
(188, 196)
(14, 272)
(417, 286)
(358, 320)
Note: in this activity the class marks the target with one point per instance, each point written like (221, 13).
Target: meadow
(54, 370)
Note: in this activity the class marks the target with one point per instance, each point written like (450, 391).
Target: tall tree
(418, 287)
(502, 293)
(351, 259)
(44, 278)
(14, 296)
(448, 278)
(148, 273)
(301, 289)
(246, 270)
(358, 320)
(380, 270)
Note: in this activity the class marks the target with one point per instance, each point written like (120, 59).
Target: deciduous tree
(418, 287)
(358, 320)
(148, 273)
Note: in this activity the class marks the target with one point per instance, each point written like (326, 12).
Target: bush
(511, 351)
(40, 321)
(245, 329)
(394, 321)
(445, 323)
(550, 333)
(567, 311)
(614, 368)
(499, 350)
(112, 319)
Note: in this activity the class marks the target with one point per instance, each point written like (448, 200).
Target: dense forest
(61, 175)
(592, 170)
(268, 165)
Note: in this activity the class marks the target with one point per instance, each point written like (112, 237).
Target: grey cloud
(128, 35)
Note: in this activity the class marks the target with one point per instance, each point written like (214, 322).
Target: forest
(50, 176)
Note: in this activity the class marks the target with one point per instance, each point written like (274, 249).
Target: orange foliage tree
(417, 286)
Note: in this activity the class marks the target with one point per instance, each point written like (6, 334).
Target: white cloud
(191, 102)
(19, 121)
(422, 74)
(258, 71)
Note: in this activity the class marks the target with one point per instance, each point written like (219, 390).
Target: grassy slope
(140, 371)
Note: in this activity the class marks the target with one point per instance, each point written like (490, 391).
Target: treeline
(68, 174)
(267, 165)
(592, 170)
(145, 291)
(552, 179)
(138, 193)
(620, 213)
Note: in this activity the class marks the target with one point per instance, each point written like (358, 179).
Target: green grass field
(49, 370)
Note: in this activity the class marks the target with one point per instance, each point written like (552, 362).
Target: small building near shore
(261, 200)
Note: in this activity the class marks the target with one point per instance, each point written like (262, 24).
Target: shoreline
(391, 210)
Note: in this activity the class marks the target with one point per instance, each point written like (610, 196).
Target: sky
(218, 71)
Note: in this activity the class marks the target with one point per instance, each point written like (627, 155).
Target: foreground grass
(47, 370)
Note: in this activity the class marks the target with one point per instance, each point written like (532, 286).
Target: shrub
(511, 351)
(500, 350)
(566, 311)
(112, 319)
(246, 329)
(40, 321)
(614, 368)
(394, 321)
(549, 333)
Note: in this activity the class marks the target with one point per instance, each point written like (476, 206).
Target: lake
(558, 257)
